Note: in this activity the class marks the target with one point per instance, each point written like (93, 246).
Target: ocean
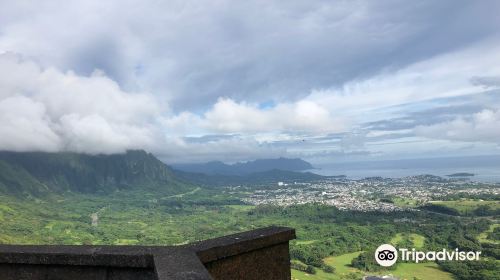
(484, 168)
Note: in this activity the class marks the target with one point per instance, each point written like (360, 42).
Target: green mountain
(39, 173)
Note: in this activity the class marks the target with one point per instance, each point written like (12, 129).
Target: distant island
(461, 174)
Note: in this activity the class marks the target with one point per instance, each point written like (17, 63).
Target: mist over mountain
(246, 168)
(40, 173)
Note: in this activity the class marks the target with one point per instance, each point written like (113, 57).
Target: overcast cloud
(238, 80)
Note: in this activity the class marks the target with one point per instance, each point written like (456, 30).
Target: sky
(195, 81)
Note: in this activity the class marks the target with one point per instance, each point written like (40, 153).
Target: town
(368, 194)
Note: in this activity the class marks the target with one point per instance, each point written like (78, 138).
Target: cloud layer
(194, 52)
(48, 110)
(479, 127)
(45, 109)
(226, 80)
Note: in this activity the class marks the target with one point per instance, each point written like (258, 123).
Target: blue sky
(192, 81)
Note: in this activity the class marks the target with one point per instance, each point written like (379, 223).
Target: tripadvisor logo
(387, 255)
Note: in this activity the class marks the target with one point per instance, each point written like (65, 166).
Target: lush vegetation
(473, 270)
(491, 235)
(477, 207)
(422, 271)
(139, 200)
(141, 217)
(37, 174)
(465, 207)
(408, 240)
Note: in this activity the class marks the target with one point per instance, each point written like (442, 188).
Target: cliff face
(36, 173)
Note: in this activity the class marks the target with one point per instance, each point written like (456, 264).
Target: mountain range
(42, 173)
(246, 168)
(264, 177)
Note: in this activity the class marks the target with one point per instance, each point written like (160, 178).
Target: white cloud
(192, 52)
(232, 149)
(191, 69)
(299, 117)
(446, 75)
(48, 110)
(480, 127)
(24, 125)
(45, 109)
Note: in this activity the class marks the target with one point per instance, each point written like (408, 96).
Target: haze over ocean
(484, 168)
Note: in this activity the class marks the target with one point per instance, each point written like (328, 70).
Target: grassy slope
(483, 237)
(464, 206)
(417, 239)
(342, 266)
(305, 242)
(320, 275)
(342, 263)
(124, 218)
(405, 202)
(424, 271)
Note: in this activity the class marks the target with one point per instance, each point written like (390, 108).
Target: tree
(310, 269)
(328, 268)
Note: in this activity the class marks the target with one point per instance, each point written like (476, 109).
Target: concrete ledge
(116, 256)
(236, 244)
(257, 254)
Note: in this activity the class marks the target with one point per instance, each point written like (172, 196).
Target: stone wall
(257, 254)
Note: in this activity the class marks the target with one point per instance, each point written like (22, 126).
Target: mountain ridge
(265, 177)
(245, 168)
(39, 173)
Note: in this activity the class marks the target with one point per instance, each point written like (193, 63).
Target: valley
(339, 221)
